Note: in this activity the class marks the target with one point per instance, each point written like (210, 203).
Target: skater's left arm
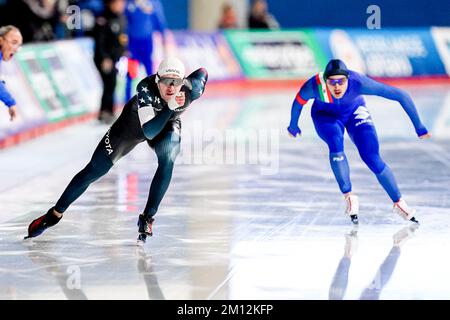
(151, 117)
(196, 83)
(372, 87)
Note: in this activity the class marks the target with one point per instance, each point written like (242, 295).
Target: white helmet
(171, 65)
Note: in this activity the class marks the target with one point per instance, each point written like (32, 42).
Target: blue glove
(421, 131)
(294, 131)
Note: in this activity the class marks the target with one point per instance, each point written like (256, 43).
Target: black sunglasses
(171, 81)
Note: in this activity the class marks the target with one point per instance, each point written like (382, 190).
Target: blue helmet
(335, 67)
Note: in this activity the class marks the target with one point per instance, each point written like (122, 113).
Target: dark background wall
(177, 13)
(352, 13)
(330, 13)
(336, 13)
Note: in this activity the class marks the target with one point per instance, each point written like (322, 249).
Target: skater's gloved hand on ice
(425, 136)
(422, 132)
(177, 101)
(293, 131)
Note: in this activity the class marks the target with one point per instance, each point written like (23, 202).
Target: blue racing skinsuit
(332, 116)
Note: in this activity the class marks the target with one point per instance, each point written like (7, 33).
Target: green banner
(287, 54)
(53, 88)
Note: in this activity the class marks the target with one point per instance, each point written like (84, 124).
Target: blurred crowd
(259, 17)
(46, 20)
(120, 28)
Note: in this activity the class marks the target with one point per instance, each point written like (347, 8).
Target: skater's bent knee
(375, 164)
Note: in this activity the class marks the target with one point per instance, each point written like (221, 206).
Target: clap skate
(352, 207)
(39, 225)
(145, 228)
(402, 209)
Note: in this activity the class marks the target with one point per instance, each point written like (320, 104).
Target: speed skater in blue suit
(338, 105)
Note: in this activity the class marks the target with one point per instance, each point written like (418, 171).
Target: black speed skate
(414, 220)
(354, 218)
(142, 238)
(145, 226)
(40, 224)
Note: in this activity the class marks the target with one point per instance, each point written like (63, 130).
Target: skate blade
(354, 219)
(28, 241)
(140, 243)
(141, 240)
(414, 220)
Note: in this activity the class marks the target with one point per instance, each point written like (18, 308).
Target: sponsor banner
(50, 82)
(61, 80)
(79, 79)
(28, 109)
(441, 38)
(201, 49)
(338, 44)
(195, 49)
(387, 52)
(276, 54)
(39, 77)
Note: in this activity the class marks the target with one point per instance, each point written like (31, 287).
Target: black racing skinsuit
(146, 117)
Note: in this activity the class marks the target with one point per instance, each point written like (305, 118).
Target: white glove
(173, 104)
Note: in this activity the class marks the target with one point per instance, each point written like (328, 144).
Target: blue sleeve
(197, 83)
(5, 96)
(158, 18)
(372, 87)
(305, 93)
(127, 9)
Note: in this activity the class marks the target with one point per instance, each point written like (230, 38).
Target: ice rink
(267, 225)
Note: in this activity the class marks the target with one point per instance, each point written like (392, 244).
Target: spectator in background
(89, 10)
(110, 44)
(228, 19)
(10, 42)
(143, 17)
(260, 18)
(38, 20)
